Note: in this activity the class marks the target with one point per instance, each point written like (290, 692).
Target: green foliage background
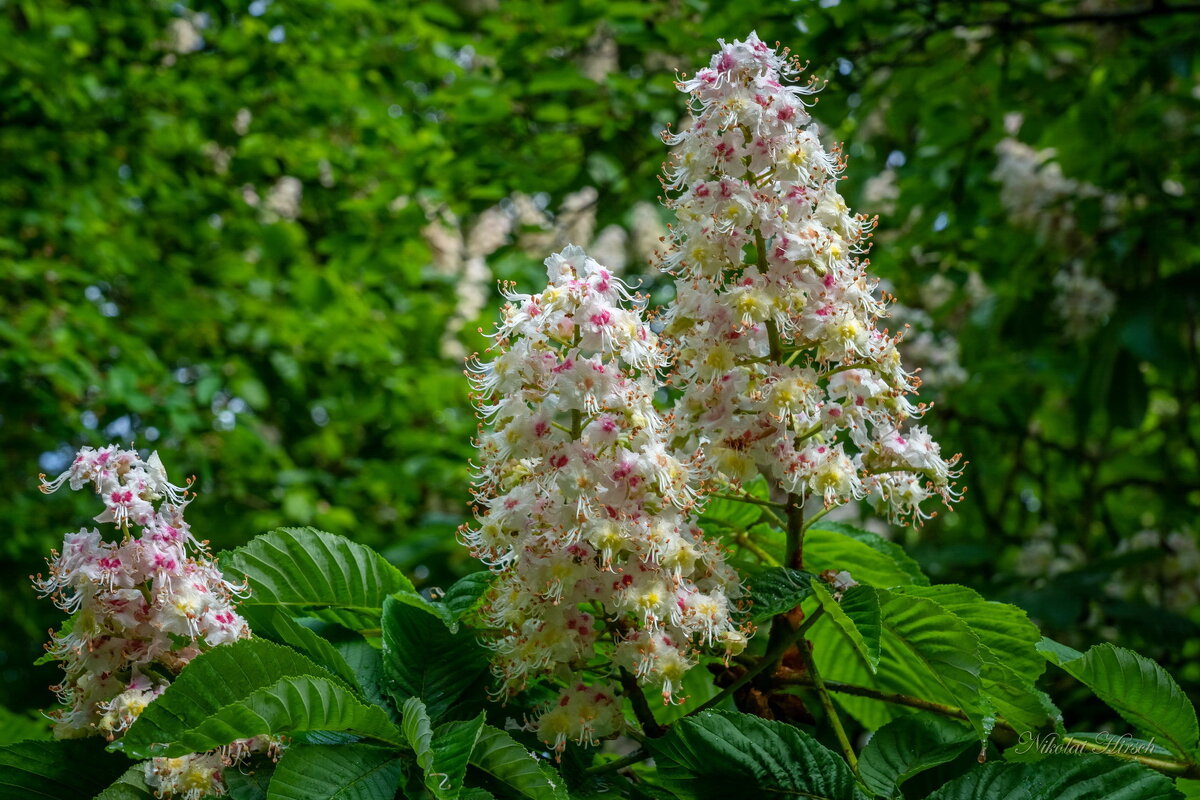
(294, 365)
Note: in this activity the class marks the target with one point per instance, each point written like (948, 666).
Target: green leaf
(250, 782)
(418, 731)
(1057, 653)
(22, 727)
(1142, 692)
(288, 706)
(1008, 646)
(422, 658)
(53, 770)
(931, 653)
(313, 573)
(837, 660)
(925, 652)
(1004, 630)
(505, 760)
(907, 746)
(776, 590)
(868, 557)
(722, 754)
(130, 786)
(1190, 789)
(366, 662)
(336, 772)
(453, 743)
(1061, 777)
(858, 615)
(442, 754)
(247, 688)
(464, 594)
(278, 625)
(733, 514)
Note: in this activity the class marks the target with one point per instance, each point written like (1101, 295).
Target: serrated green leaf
(1190, 789)
(907, 746)
(505, 760)
(418, 731)
(336, 772)
(868, 557)
(53, 770)
(931, 653)
(422, 658)
(366, 663)
(278, 625)
(925, 652)
(1004, 630)
(1008, 646)
(465, 593)
(130, 786)
(1142, 692)
(247, 688)
(288, 706)
(1061, 777)
(453, 743)
(858, 616)
(250, 781)
(313, 573)
(1056, 652)
(722, 754)
(776, 590)
(837, 660)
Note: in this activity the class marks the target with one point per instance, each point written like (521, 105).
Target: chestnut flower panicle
(783, 367)
(583, 512)
(142, 608)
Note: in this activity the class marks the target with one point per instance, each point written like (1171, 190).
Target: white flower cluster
(132, 602)
(1037, 194)
(1082, 301)
(583, 511)
(783, 368)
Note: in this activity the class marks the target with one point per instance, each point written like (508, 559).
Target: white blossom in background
(1172, 581)
(881, 192)
(648, 234)
(464, 258)
(283, 199)
(520, 219)
(132, 599)
(582, 512)
(611, 248)
(1082, 302)
(241, 121)
(1038, 196)
(784, 367)
(183, 36)
(601, 57)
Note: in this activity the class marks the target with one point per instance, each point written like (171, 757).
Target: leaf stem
(831, 713)
(817, 516)
(744, 539)
(638, 755)
(745, 498)
(1164, 765)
